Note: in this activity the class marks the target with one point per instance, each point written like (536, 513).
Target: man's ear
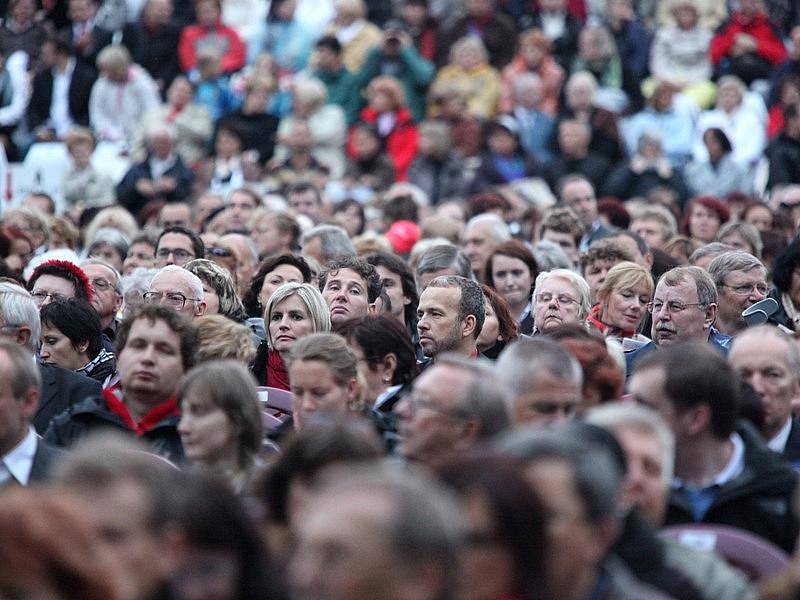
(23, 336)
(372, 309)
(201, 309)
(30, 402)
(711, 315)
(117, 303)
(468, 326)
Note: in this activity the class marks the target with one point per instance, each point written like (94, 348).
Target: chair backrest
(275, 399)
(751, 554)
(271, 422)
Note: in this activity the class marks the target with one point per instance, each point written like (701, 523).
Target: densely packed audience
(400, 299)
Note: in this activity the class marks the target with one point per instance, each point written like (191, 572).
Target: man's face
(48, 287)
(550, 402)
(739, 290)
(240, 210)
(439, 327)
(305, 203)
(345, 292)
(174, 249)
(106, 300)
(762, 361)
(647, 388)
(80, 10)
(343, 552)
(151, 363)
(645, 485)
(565, 241)
(15, 413)
(177, 214)
(171, 286)
(431, 424)
(556, 303)
(595, 274)
(478, 243)
(140, 254)
(650, 231)
(677, 316)
(268, 238)
(579, 196)
(394, 288)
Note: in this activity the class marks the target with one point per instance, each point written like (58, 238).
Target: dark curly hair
(400, 268)
(365, 270)
(77, 320)
(251, 302)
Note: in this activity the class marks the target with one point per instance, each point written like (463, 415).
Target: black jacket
(791, 452)
(80, 87)
(61, 388)
(156, 52)
(758, 500)
(43, 460)
(129, 197)
(93, 415)
(784, 161)
(499, 36)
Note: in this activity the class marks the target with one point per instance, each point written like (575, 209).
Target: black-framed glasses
(174, 299)
(673, 307)
(178, 253)
(41, 297)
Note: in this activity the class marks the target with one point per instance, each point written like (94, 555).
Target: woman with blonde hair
(622, 302)
(469, 71)
(220, 338)
(293, 311)
(324, 375)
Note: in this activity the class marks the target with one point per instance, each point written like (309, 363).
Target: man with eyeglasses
(560, 297)
(177, 246)
(684, 308)
(455, 404)
(741, 281)
(179, 289)
(59, 279)
(107, 298)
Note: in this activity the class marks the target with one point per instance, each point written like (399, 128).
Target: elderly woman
(293, 311)
(220, 338)
(560, 296)
(511, 270)
(324, 375)
(355, 33)
(83, 184)
(622, 302)
(72, 338)
(326, 122)
(119, 98)
(743, 236)
(220, 424)
(109, 245)
(134, 284)
(219, 290)
(471, 74)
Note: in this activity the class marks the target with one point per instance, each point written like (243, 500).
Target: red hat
(402, 235)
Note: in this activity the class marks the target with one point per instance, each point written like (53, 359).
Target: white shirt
(778, 442)
(60, 119)
(18, 463)
(730, 471)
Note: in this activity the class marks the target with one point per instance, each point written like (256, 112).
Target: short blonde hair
(220, 338)
(114, 58)
(315, 304)
(116, 217)
(469, 41)
(309, 90)
(79, 135)
(622, 275)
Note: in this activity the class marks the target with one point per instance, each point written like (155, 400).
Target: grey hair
(485, 398)
(499, 227)
(101, 262)
(524, 362)
(747, 231)
(656, 212)
(138, 280)
(18, 308)
(318, 310)
(193, 280)
(736, 260)
(333, 239)
(713, 249)
(706, 290)
(792, 349)
(472, 301)
(578, 282)
(616, 415)
(112, 237)
(468, 40)
(24, 374)
(550, 256)
(444, 256)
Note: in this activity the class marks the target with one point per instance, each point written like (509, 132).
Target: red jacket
(401, 143)
(769, 47)
(227, 39)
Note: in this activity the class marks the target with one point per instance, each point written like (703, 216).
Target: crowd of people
(411, 299)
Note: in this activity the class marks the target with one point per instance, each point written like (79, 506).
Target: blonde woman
(220, 338)
(622, 302)
(470, 73)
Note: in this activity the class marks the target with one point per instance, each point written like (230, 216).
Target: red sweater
(401, 143)
(220, 37)
(769, 46)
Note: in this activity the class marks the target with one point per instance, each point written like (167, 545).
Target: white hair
(190, 278)
(578, 282)
(499, 228)
(58, 254)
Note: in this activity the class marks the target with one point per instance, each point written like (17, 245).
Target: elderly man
(443, 259)
(155, 346)
(350, 286)
(560, 296)
(684, 308)
(107, 299)
(544, 379)
(656, 225)
(326, 242)
(454, 405)
(769, 360)
(395, 534)
(161, 176)
(723, 472)
(451, 313)
(481, 236)
(577, 192)
(177, 246)
(741, 281)
(179, 289)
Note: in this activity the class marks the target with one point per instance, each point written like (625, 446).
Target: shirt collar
(730, 471)
(19, 461)
(778, 442)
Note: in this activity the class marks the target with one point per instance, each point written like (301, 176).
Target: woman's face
(57, 349)
(512, 279)
(468, 57)
(557, 303)
(210, 297)
(377, 377)
(365, 144)
(490, 333)
(380, 101)
(759, 217)
(703, 223)
(180, 92)
(712, 145)
(626, 306)
(316, 390)
(736, 239)
(349, 219)
(276, 278)
(686, 16)
(288, 322)
(532, 55)
(207, 434)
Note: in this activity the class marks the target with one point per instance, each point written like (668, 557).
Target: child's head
(80, 144)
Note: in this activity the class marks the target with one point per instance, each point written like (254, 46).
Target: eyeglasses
(178, 253)
(174, 299)
(41, 297)
(746, 288)
(8, 329)
(416, 402)
(218, 252)
(561, 299)
(101, 285)
(673, 307)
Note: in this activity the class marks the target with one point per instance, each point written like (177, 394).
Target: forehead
(94, 270)
(155, 330)
(648, 223)
(754, 274)
(577, 190)
(240, 198)
(346, 276)
(503, 261)
(386, 273)
(175, 240)
(481, 229)
(638, 440)
(557, 284)
(293, 302)
(446, 297)
(442, 382)
(754, 349)
(172, 280)
(53, 282)
(685, 290)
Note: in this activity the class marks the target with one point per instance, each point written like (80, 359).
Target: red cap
(402, 235)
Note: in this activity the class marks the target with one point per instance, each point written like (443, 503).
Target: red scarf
(605, 328)
(115, 403)
(277, 375)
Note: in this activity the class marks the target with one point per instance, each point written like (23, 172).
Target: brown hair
(512, 249)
